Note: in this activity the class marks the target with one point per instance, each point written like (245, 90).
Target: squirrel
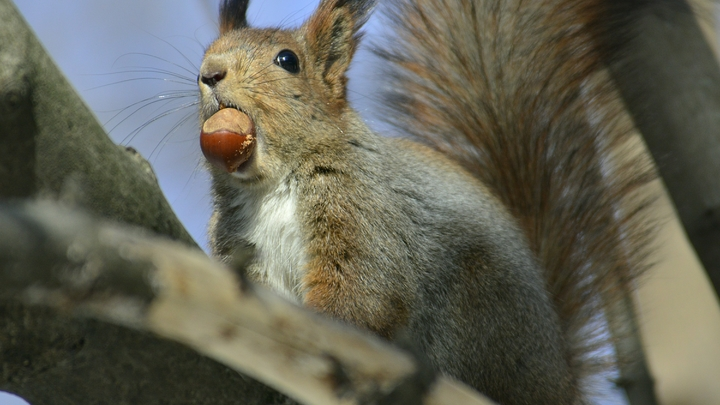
(493, 233)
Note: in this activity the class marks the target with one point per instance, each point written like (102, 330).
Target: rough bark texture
(79, 361)
(53, 146)
(124, 276)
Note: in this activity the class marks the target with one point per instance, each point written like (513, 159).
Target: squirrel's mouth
(227, 138)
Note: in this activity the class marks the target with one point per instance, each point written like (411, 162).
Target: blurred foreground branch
(68, 261)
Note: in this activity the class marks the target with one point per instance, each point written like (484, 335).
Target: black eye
(287, 60)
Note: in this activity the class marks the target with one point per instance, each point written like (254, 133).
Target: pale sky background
(112, 52)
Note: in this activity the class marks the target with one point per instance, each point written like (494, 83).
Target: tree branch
(60, 258)
(52, 146)
(670, 81)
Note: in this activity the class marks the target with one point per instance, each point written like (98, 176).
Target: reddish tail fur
(515, 91)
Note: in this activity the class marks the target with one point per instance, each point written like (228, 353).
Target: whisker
(277, 95)
(142, 69)
(197, 68)
(166, 137)
(151, 56)
(259, 72)
(273, 80)
(135, 132)
(373, 99)
(135, 79)
(285, 96)
(170, 94)
(144, 104)
(167, 97)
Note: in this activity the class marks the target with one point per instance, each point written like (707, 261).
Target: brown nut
(227, 139)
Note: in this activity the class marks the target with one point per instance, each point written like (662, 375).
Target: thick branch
(68, 261)
(52, 145)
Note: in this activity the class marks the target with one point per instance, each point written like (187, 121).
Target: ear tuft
(332, 37)
(232, 15)
(359, 9)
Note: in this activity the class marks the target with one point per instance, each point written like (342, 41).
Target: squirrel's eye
(287, 60)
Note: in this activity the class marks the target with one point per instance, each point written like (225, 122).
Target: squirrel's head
(287, 87)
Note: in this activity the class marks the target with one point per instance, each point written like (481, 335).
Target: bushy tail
(515, 90)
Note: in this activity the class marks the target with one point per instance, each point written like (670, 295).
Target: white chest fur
(270, 223)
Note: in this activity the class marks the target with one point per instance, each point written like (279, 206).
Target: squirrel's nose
(211, 78)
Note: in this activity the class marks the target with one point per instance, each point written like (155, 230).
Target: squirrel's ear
(232, 15)
(332, 37)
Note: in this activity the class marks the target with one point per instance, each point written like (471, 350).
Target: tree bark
(53, 147)
(127, 277)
